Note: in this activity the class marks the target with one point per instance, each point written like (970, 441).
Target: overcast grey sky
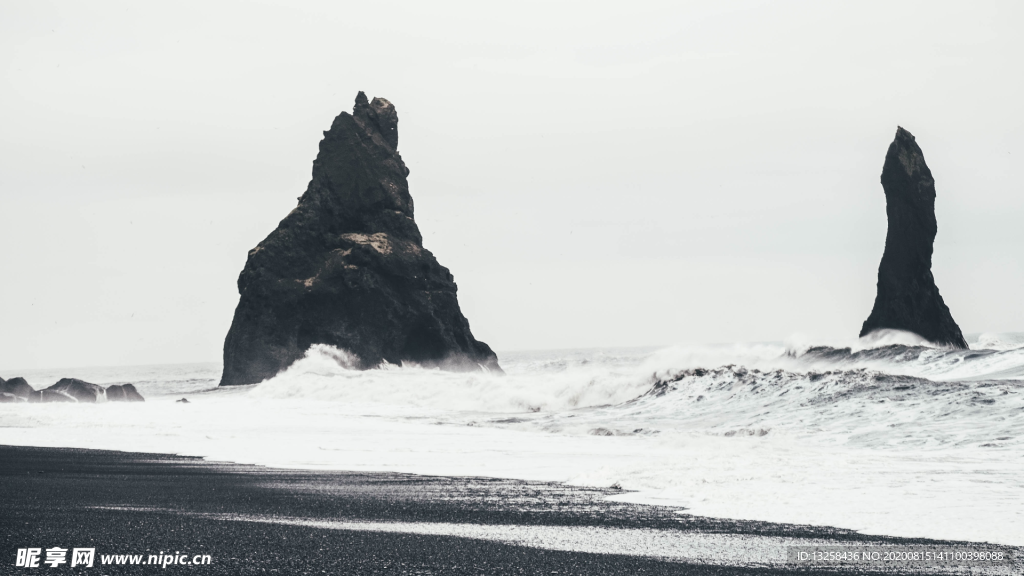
(593, 173)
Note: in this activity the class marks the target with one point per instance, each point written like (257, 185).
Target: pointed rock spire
(907, 297)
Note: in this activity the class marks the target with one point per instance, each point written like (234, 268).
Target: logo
(31, 557)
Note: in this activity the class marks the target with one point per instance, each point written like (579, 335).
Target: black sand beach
(254, 520)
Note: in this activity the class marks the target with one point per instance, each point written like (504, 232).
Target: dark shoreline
(131, 503)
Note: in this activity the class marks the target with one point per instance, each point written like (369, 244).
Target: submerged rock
(17, 387)
(347, 268)
(907, 297)
(124, 393)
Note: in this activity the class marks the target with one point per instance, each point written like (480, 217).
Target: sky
(594, 174)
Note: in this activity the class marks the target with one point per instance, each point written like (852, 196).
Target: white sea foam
(544, 385)
(705, 548)
(855, 438)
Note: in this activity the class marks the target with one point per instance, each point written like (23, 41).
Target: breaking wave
(531, 385)
(857, 407)
(886, 395)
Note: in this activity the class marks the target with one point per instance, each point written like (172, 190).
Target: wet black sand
(128, 503)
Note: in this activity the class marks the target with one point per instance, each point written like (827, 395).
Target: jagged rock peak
(347, 268)
(381, 114)
(907, 297)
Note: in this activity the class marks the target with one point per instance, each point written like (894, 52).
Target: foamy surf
(891, 438)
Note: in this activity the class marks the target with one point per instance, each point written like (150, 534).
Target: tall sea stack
(347, 268)
(907, 296)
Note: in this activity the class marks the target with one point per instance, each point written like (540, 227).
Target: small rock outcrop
(47, 395)
(67, 390)
(347, 268)
(907, 297)
(16, 387)
(123, 393)
(80, 390)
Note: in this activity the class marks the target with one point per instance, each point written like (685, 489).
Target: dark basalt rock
(47, 395)
(907, 296)
(80, 390)
(347, 268)
(16, 387)
(124, 393)
(67, 390)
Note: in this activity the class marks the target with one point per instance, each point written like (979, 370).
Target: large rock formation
(347, 268)
(907, 296)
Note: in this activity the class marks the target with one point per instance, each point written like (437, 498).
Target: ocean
(888, 436)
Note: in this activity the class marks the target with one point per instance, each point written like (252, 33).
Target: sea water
(887, 436)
